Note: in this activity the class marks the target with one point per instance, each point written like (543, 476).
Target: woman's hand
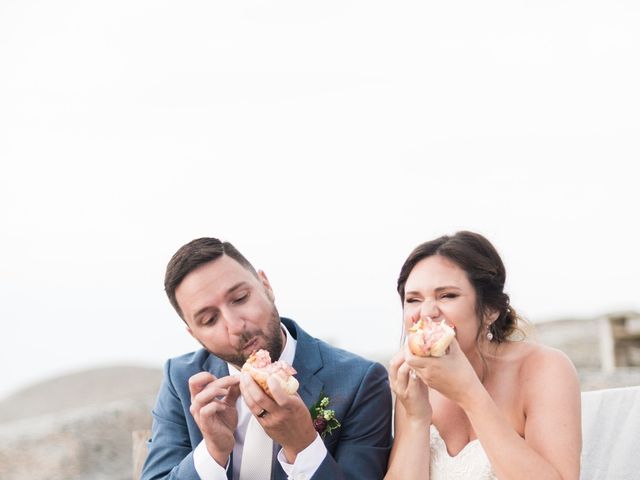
(410, 454)
(452, 375)
(410, 390)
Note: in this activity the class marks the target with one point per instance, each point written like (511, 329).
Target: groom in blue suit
(205, 403)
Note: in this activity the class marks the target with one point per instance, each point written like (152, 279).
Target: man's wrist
(206, 466)
(307, 462)
(291, 451)
(220, 457)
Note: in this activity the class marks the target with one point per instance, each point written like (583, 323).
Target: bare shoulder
(546, 369)
(550, 395)
(539, 359)
(534, 358)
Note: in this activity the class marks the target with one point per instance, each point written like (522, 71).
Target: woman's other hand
(452, 375)
(410, 390)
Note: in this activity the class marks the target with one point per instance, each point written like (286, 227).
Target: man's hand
(213, 406)
(287, 421)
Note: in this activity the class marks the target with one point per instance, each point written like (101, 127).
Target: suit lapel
(307, 362)
(310, 389)
(215, 366)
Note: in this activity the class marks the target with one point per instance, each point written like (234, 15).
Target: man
(203, 414)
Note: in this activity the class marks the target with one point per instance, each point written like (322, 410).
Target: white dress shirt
(306, 462)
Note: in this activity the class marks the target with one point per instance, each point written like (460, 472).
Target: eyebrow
(438, 289)
(447, 287)
(227, 293)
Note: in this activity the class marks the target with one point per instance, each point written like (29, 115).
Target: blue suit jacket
(358, 390)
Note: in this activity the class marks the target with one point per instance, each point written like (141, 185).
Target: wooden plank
(140, 438)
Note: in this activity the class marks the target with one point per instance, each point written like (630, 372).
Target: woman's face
(440, 289)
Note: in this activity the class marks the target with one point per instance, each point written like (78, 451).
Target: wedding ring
(412, 374)
(262, 413)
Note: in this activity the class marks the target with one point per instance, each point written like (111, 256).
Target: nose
(235, 324)
(429, 308)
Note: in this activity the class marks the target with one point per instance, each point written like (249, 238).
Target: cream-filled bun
(430, 339)
(260, 367)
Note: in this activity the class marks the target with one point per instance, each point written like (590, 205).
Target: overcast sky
(325, 140)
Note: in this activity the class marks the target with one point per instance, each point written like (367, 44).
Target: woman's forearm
(410, 455)
(509, 454)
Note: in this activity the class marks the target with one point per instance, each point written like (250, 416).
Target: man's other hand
(213, 406)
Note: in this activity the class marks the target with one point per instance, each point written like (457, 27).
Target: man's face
(230, 311)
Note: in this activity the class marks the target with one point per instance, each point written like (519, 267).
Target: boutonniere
(324, 420)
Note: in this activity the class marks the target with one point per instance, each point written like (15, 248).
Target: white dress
(470, 464)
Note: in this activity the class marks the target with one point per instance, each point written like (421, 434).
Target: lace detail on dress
(470, 464)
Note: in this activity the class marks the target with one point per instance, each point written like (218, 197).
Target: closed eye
(240, 299)
(450, 295)
(211, 320)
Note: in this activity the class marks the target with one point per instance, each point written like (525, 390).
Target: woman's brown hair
(474, 254)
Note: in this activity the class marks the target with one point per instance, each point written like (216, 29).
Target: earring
(489, 334)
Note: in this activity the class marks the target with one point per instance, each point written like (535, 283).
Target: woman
(494, 406)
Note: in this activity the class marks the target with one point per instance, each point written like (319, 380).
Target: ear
(267, 286)
(491, 316)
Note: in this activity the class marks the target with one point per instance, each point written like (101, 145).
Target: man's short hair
(193, 255)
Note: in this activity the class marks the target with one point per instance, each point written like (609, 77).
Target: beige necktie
(256, 453)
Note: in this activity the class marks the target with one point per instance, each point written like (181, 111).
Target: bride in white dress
(495, 406)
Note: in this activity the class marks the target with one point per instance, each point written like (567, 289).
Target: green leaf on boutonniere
(324, 419)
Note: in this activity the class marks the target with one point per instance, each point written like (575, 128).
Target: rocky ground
(76, 427)
(79, 427)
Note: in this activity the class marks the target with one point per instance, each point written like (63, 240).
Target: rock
(80, 390)
(578, 338)
(83, 426)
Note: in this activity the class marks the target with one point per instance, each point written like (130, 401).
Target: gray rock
(80, 390)
(80, 425)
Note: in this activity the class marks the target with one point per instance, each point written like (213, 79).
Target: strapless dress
(471, 463)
